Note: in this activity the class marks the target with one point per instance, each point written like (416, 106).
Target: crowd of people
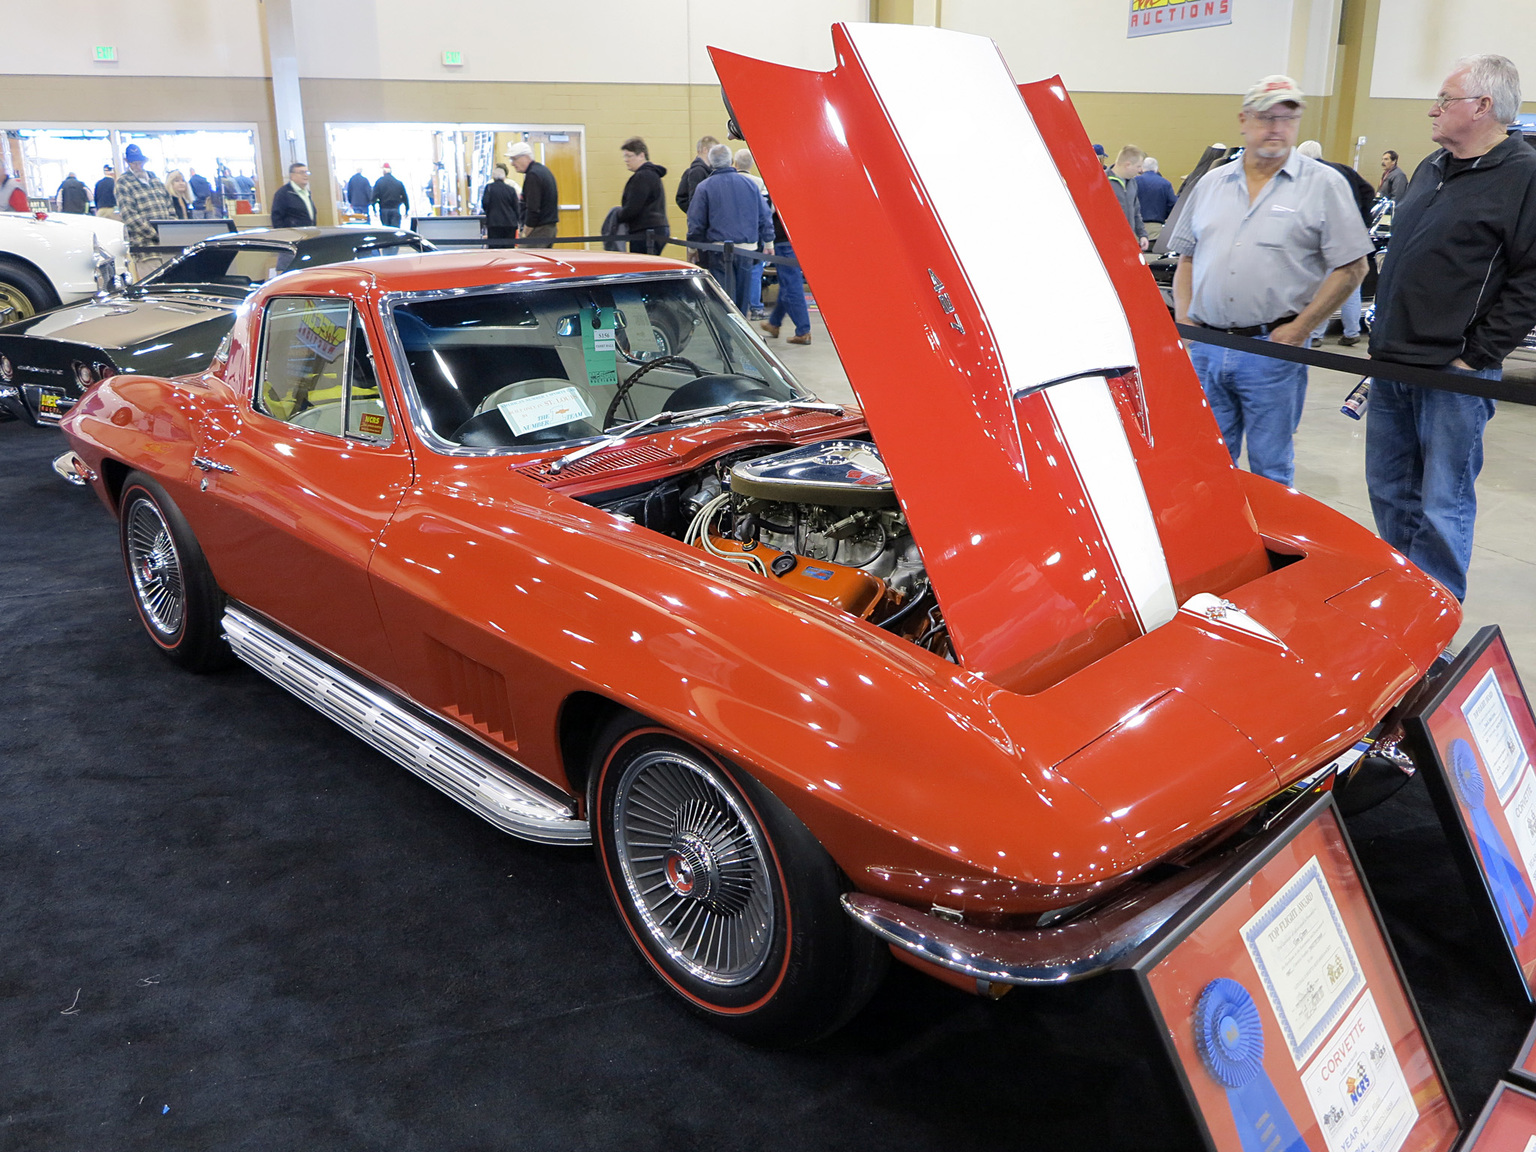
(1271, 244)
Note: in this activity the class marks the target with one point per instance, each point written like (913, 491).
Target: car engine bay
(820, 519)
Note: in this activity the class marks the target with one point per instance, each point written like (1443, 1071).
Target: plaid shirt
(140, 199)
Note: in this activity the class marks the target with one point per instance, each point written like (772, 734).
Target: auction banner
(1476, 739)
(1507, 1123)
(1282, 1005)
(1151, 17)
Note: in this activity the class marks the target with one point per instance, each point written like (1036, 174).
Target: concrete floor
(1330, 465)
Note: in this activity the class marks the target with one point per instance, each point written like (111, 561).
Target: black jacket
(359, 193)
(106, 192)
(500, 204)
(1459, 278)
(1365, 195)
(289, 209)
(541, 197)
(645, 200)
(693, 176)
(74, 196)
(388, 192)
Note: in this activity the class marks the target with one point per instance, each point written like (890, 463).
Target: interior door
(304, 483)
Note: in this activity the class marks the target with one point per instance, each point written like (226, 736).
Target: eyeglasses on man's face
(1276, 117)
(1439, 102)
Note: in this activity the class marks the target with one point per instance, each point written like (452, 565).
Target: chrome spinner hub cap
(694, 862)
(155, 568)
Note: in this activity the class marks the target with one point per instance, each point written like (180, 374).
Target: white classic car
(53, 258)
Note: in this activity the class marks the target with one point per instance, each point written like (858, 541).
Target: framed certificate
(1280, 1002)
(1476, 740)
(1507, 1123)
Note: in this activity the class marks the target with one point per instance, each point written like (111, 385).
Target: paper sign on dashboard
(535, 413)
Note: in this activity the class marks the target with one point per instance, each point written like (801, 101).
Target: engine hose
(908, 608)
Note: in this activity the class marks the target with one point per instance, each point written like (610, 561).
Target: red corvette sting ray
(981, 674)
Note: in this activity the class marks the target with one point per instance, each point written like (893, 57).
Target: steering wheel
(623, 390)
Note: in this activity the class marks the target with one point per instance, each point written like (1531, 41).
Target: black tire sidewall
(199, 643)
(36, 287)
(822, 967)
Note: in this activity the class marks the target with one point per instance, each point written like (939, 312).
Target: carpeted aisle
(226, 924)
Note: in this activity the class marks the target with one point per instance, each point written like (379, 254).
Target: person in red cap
(1267, 248)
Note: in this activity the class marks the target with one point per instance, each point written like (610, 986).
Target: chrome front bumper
(73, 469)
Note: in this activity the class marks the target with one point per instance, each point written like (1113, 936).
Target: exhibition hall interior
(857, 574)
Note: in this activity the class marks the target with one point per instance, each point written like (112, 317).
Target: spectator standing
(1122, 178)
(229, 188)
(359, 194)
(502, 211)
(695, 173)
(181, 194)
(1155, 192)
(390, 195)
(291, 204)
(202, 191)
(105, 194)
(141, 199)
(1102, 156)
(1457, 292)
(247, 188)
(1394, 183)
(791, 301)
(742, 162)
(728, 209)
(13, 197)
(541, 195)
(73, 196)
(1365, 200)
(1268, 247)
(643, 209)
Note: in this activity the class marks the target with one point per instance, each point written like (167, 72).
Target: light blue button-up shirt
(1254, 263)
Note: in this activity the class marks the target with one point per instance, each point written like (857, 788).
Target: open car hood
(1047, 436)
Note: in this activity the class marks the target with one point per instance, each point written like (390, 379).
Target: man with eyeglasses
(1458, 292)
(1269, 247)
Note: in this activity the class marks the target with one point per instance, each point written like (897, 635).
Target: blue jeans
(756, 289)
(791, 300)
(737, 281)
(1349, 313)
(1257, 396)
(1423, 451)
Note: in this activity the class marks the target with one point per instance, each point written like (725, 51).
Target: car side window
(317, 371)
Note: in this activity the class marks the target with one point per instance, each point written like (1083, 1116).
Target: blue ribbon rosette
(1512, 897)
(1230, 1038)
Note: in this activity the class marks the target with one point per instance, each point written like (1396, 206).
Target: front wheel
(173, 590)
(727, 894)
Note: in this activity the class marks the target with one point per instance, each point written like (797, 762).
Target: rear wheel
(173, 590)
(727, 894)
(23, 292)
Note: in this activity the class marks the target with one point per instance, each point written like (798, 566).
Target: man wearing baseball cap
(141, 199)
(1268, 248)
(541, 195)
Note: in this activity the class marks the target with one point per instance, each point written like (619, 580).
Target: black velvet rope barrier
(1412, 374)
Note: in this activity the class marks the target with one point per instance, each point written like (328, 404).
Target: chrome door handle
(208, 465)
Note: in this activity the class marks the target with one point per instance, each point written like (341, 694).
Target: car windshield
(533, 367)
(236, 266)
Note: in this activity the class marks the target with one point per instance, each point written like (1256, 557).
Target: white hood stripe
(1048, 301)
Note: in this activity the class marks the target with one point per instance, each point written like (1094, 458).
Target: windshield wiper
(624, 431)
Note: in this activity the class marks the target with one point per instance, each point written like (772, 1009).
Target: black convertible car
(171, 322)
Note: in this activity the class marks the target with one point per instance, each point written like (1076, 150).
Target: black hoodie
(645, 201)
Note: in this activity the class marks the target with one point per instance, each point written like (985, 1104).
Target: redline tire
(173, 590)
(727, 895)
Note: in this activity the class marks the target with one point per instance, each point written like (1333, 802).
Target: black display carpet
(226, 924)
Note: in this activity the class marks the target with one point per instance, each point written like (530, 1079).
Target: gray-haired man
(1270, 247)
(1457, 291)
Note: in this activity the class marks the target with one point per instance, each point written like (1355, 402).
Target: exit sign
(106, 53)
(453, 59)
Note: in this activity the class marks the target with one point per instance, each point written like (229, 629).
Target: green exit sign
(453, 59)
(106, 53)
